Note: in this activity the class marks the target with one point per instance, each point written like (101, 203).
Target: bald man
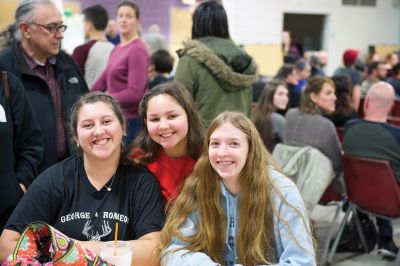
(372, 137)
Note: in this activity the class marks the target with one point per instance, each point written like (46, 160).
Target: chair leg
(397, 261)
(331, 230)
(360, 230)
(339, 234)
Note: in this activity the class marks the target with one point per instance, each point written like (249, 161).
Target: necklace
(112, 181)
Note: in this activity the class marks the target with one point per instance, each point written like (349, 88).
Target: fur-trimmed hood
(232, 66)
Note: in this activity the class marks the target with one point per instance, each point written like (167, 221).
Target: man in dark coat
(51, 80)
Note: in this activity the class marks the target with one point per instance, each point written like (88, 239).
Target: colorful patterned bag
(41, 244)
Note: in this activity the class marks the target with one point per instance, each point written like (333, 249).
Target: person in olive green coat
(218, 73)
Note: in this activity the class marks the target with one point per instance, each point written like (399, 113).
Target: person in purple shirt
(125, 77)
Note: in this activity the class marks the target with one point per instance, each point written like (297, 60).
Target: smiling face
(127, 21)
(99, 132)
(228, 149)
(281, 98)
(326, 98)
(167, 124)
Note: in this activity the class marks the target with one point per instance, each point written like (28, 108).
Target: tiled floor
(323, 216)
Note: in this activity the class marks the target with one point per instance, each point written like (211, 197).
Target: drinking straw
(115, 239)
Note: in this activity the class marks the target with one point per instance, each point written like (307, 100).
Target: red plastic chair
(340, 133)
(393, 120)
(396, 109)
(371, 188)
(329, 196)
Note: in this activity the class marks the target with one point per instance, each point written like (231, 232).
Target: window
(350, 2)
(368, 2)
(359, 2)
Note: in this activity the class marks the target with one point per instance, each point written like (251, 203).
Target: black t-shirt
(62, 196)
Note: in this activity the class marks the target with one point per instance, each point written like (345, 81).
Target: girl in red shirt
(170, 138)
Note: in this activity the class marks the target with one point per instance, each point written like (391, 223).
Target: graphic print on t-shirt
(82, 212)
(96, 227)
(94, 235)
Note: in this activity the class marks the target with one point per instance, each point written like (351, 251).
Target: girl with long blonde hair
(235, 207)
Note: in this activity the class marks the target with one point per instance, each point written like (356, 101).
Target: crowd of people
(190, 164)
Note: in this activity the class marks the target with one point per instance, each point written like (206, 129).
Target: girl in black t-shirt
(86, 194)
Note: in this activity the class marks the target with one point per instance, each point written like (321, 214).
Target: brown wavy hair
(201, 192)
(314, 86)
(344, 92)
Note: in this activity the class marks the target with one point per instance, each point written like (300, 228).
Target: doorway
(307, 29)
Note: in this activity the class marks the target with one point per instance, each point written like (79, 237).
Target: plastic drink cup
(119, 255)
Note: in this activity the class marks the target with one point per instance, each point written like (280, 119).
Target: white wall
(261, 22)
(59, 4)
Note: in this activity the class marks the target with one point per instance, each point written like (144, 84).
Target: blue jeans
(132, 128)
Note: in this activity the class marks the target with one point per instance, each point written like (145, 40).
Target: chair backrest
(395, 121)
(396, 108)
(372, 185)
(330, 195)
(340, 133)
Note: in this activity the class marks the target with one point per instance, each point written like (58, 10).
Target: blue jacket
(288, 252)
(71, 84)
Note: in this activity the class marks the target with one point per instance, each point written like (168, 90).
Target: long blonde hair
(202, 193)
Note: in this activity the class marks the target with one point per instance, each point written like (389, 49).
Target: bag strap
(6, 87)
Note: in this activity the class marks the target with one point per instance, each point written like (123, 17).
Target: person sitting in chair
(374, 138)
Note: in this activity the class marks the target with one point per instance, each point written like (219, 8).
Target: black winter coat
(21, 146)
(71, 84)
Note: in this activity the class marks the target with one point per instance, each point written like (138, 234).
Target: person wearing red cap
(350, 58)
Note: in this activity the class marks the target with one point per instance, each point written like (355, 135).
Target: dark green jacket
(373, 140)
(218, 74)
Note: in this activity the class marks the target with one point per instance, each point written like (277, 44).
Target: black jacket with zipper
(21, 145)
(71, 84)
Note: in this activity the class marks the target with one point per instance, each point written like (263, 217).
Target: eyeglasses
(52, 28)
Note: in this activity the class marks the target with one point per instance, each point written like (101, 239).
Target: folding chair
(330, 197)
(372, 189)
(393, 120)
(396, 109)
(340, 133)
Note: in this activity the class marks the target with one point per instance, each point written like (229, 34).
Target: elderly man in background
(51, 80)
